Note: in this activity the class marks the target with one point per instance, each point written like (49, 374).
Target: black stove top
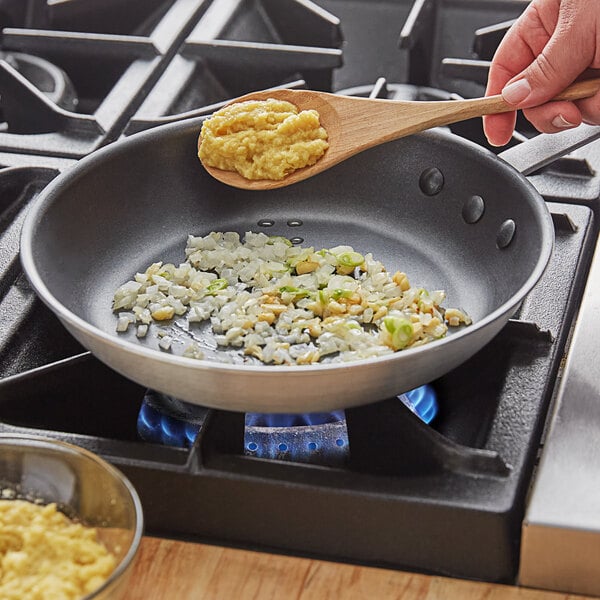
(377, 484)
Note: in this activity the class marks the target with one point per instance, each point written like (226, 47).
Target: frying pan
(450, 214)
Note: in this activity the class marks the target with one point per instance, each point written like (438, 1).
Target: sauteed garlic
(285, 304)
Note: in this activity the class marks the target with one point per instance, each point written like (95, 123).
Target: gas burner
(110, 55)
(318, 438)
(324, 444)
(166, 420)
(47, 77)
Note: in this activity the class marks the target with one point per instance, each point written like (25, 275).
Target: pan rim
(52, 190)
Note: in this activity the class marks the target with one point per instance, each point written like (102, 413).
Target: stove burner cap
(47, 77)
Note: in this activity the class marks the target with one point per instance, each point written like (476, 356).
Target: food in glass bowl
(70, 523)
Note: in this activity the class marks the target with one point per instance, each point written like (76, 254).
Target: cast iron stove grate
(239, 47)
(74, 71)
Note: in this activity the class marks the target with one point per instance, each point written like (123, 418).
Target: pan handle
(545, 148)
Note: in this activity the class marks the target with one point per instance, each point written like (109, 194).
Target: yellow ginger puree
(262, 139)
(46, 556)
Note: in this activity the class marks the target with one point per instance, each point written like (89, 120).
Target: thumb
(556, 67)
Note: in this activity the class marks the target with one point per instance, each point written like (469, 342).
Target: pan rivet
(431, 181)
(473, 209)
(266, 223)
(295, 223)
(506, 233)
(296, 240)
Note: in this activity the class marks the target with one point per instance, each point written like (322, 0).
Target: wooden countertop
(168, 569)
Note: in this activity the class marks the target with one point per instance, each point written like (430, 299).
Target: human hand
(547, 48)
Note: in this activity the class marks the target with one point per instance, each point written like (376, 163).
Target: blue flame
(293, 420)
(422, 401)
(156, 425)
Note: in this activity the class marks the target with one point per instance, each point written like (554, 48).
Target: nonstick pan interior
(431, 205)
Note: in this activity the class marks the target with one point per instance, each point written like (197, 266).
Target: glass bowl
(83, 486)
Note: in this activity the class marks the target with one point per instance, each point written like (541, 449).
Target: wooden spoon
(354, 124)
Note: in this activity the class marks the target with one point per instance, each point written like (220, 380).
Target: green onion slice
(400, 329)
(341, 293)
(350, 259)
(216, 285)
(297, 292)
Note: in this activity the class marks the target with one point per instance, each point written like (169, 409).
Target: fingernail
(560, 122)
(517, 91)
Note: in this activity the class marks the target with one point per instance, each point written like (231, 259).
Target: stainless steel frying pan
(449, 213)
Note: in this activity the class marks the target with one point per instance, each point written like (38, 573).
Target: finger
(518, 49)
(569, 51)
(553, 117)
(513, 55)
(522, 43)
(498, 129)
(590, 109)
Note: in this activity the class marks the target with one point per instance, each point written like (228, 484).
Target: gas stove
(452, 478)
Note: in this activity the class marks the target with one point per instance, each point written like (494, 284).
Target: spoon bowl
(354, 124)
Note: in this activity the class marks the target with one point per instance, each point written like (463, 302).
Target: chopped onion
(285, 304)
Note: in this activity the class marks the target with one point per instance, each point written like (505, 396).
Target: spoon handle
(580, 90)
(390, 119)
(496, 104)
(412, 117)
